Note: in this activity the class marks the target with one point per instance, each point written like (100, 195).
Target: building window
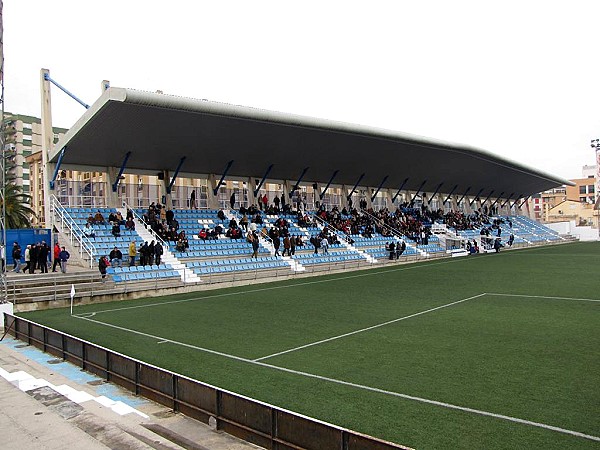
(590, 189)
(582, 190)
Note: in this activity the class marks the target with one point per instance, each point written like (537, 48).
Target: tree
(18, 212)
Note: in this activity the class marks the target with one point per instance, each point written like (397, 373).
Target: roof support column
(496, 201)
(286, 198)
(349, 196)
(506, 210)
(487, 198)
(515, 202)
(449, 195)
(57, 168)
(524, 201)
(164, 195)
(322, 194)
(399, 190)
(297, 185)
(462, 198)
(412, 200)
(434, 193)
(115, 184)
(378, 189)
(212, 198)
(476, 199)
(170, 186)
(261, 181)
(112, 179)
(218, 185)
(251, 187)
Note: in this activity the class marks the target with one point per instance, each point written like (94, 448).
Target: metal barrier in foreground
(251, 420)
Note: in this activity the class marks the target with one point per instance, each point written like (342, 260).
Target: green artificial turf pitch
(442, 354)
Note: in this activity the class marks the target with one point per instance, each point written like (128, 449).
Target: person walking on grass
(63, 256)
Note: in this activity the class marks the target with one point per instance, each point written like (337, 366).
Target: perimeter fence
(262, 424)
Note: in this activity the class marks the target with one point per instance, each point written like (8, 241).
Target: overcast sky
(517, 78)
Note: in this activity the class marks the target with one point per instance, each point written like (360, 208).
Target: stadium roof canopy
(161, 129)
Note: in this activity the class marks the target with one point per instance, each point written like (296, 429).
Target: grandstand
(350, 211)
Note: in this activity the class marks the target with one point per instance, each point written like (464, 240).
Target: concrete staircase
(187, 275)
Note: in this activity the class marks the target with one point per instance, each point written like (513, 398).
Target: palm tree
(18, 213)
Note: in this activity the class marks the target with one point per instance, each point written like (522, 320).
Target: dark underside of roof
(158, 137)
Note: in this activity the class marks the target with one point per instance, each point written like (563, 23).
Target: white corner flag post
(72, 296)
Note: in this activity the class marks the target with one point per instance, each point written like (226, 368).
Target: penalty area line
(333, 338)
(360, 386)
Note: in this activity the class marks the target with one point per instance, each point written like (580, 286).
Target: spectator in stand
(119, 218)
(232, 200)
(391, 247)
(244, 222)
(116, 229)
(131, 253)
(286, 246)
(325, 245)
(130, 224)
(276, 202)
(400, 248)
(158, 252)
(102, 265)
(253, 239)
(260, 202)
(151, 253)
(511, 239)
(193, 204)
(203, 234)
(91, 219)
(99, 218)
(265, 201)
(292, 245)
(116, 257)
(56, 252)
(143, 251)
(88, 231)
(64, 257)
(221, 215)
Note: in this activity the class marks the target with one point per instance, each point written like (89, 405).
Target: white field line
(363, 387)
(271, 288)
(545, 297)
(368, 328)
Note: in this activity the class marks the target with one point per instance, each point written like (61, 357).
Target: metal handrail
(338, 233)
(146, 225)
(380, 222)
(75, 229)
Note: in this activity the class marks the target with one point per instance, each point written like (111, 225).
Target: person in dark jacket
(116, 257)
(42, 256)
(103, 263)
(16, 254)
(64, 257)
(158, 251)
